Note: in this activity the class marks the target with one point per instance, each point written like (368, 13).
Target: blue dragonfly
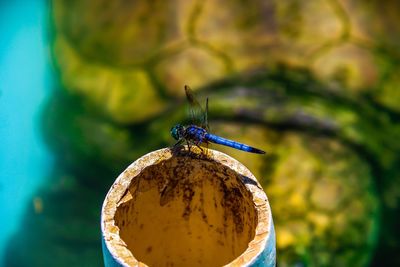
(198, 132)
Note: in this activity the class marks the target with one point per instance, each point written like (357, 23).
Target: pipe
(187, 209)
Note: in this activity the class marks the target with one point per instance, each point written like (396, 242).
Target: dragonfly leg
(188, 144)
(206, 148)
(202, 150)
(180, 141)
(178, 145)
(198, 142)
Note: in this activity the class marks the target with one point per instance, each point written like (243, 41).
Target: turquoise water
(24, 84)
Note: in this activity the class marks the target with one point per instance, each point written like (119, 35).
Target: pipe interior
(186, 212)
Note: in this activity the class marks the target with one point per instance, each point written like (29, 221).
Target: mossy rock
(114, 55)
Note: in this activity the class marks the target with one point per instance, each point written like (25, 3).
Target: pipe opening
(186, 211)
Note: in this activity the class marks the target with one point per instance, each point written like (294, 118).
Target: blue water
(24, 84)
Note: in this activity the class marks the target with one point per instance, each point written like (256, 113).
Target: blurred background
(87, 87)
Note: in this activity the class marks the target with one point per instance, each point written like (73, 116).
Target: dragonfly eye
(176, 131)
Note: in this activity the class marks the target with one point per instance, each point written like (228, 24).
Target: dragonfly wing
(197, 113)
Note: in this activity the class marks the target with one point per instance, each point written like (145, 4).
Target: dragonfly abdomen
(226, 142)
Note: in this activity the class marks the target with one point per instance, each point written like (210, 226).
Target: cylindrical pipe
(187, 209)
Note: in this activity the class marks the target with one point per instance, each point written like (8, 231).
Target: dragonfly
(198, 133)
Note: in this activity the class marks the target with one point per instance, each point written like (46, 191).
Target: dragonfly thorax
(177, 132)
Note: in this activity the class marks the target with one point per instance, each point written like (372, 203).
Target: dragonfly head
(177, 131)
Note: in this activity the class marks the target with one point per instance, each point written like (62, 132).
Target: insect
(198, 132)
